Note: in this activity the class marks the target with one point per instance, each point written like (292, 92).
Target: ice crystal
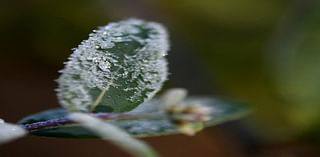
(124, 61)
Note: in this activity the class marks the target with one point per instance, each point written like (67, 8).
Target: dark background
(263, 52)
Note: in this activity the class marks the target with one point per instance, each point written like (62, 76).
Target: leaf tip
(10, 132)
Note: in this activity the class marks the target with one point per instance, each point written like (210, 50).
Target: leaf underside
(221, 111)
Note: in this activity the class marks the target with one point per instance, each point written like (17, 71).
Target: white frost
(9, 132)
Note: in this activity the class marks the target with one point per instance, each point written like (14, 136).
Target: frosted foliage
(125, 57)
(147, 127)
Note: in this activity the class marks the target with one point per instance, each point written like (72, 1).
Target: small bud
(173, 96)
(189, 118)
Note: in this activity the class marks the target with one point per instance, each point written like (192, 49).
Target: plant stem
(103, 116)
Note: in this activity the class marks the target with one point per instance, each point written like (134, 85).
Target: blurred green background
(263, 52)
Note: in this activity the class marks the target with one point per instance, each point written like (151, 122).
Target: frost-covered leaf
(9, 132)
(149, 119)
(120, 66)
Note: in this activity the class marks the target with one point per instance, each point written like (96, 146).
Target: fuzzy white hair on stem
(113, 134)
(10, 132)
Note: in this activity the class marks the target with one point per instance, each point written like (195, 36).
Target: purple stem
(65, 120)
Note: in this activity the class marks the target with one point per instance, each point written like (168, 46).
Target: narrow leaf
(9, 132)
(147, 120)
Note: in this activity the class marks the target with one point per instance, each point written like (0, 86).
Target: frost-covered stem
(114, 134)
(9, 132)
(103, 116)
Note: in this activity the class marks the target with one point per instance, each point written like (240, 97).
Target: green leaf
(149, 119)
(119, 67)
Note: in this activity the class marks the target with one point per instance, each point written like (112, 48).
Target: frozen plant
(106, 91)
